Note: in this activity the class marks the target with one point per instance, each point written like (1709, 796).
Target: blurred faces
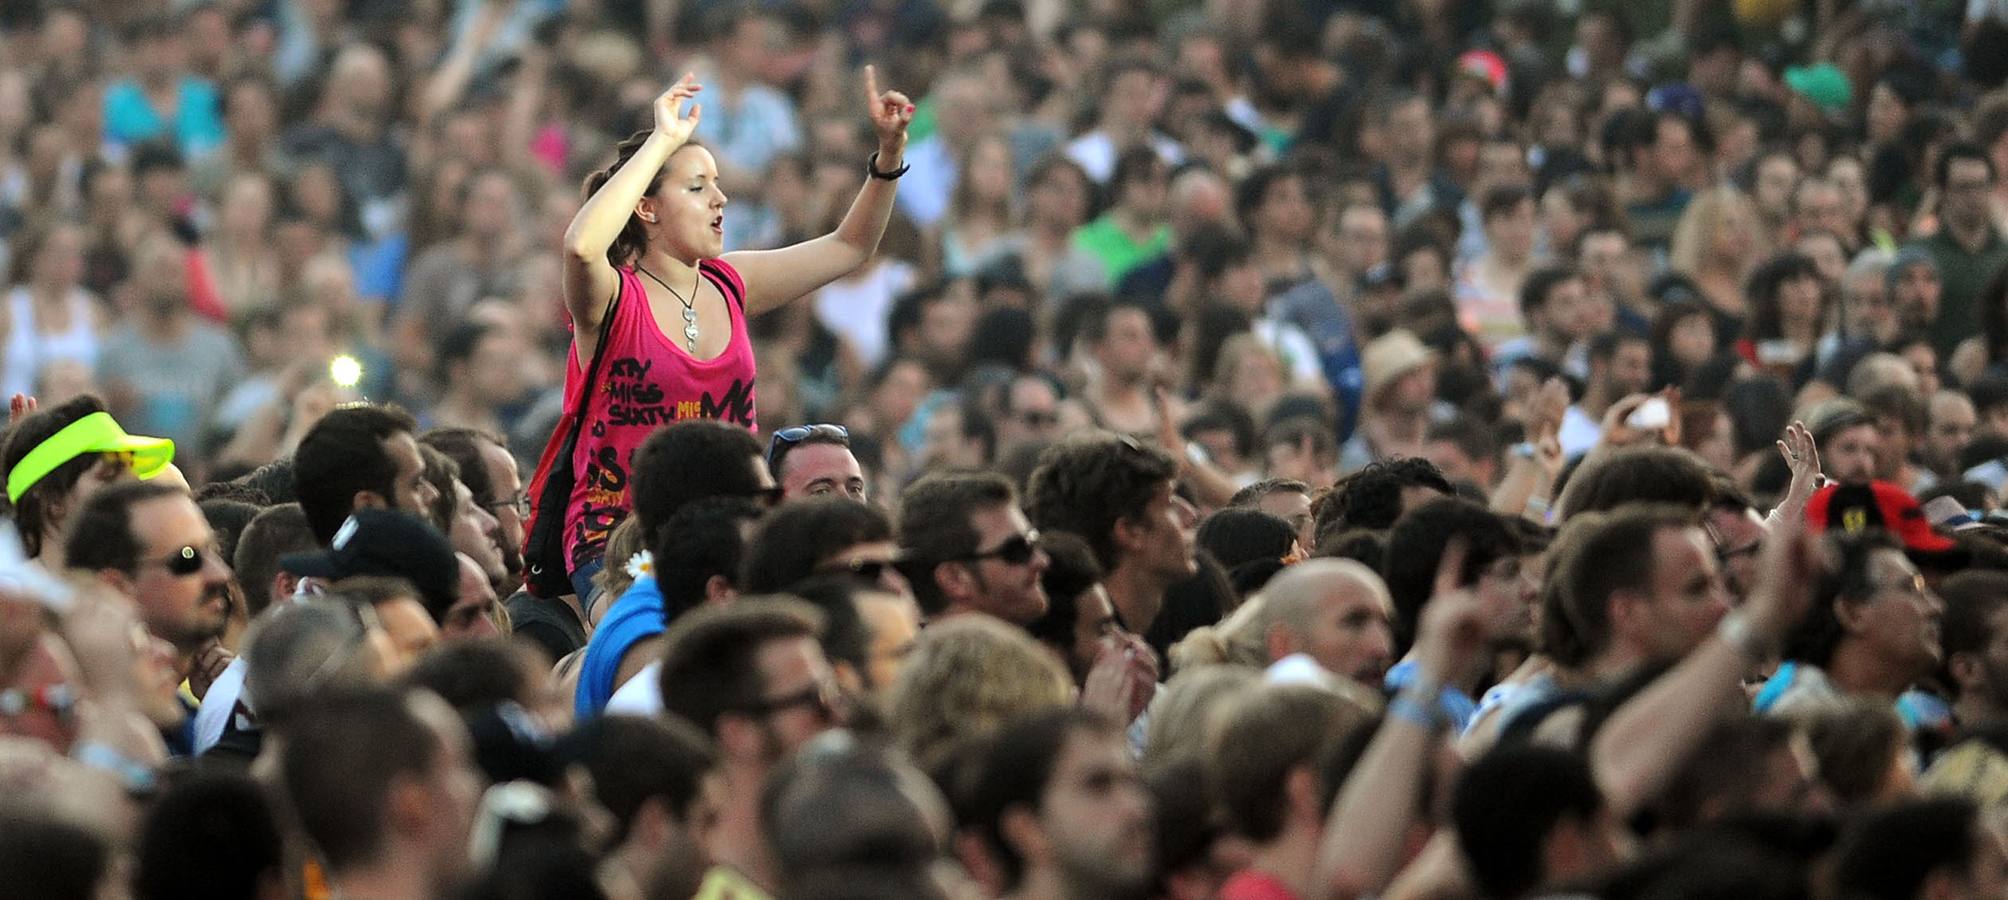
(1687, 598)
(1967, 187)
(410, 631)
(894, 622)
(1916, 294)
(1777, 176)
(1673, 156)
(475, 533)
(1034, 413)
(507, 504)
(1007, 586)
(1095, 817)
(1900, 620)
(1738, 537)
(1361, 241)
(1162, 539)
(1953, 422)
(470, 615)
(1128, 347)
(1511, 232)
(801, 697)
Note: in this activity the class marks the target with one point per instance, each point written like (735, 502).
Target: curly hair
(1085, 485)
(966, 677)
(1371, 497)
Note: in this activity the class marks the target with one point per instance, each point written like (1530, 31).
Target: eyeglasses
(183, 562)
(869, 571)
(823, 698)
(1016, 550)
(766, 497)
(789, 437)
(1913, 585)
(520, 503)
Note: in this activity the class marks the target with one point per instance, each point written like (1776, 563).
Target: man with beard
(165, 369)
(1336, 612)
(649, 774)
(1968, 247)
(148, 541)
(1060, 805)
(970, 549)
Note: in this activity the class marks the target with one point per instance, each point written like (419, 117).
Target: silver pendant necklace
(689, 307)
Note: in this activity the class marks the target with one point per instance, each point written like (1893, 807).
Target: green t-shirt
(1106, 241)
(1963, 276)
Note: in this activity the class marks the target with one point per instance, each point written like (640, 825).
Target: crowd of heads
(1280, 449)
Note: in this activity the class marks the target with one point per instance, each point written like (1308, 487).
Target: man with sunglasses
(753, 676)
(1030, 412)
(816, 461)
(148, 541)
(971, 550)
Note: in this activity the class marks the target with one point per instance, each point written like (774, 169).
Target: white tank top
(29, 351)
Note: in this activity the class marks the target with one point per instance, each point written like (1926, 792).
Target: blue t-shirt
(635, 617)
(1455, 704)
(198, 119)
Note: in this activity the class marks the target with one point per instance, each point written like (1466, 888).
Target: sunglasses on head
(789, 437)
(1016, 550)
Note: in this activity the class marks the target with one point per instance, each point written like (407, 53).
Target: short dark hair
(473, 674)
(1072, 570)
(799, 536)
(1902, 403)
(1508, 802)
(1540, 283)
(846, 638)
(209, 834)
(1255, 187)
(1501, 199)
(1223, 417)
(1015, 771)
(228, 518)
(1598, 557)
(48, 856)
(100, 535)
(1085, 485)
(777, 454)
(1816, 635)
(1240, 535)
(1371, 497)
(342, 455)
(1728, 768)
(1415, 546)
(1890, 853)
(38, 507)
(440, 471)
(1971, 599)
(1261, 490)
(666, 468)
(463, 446)
(710, 661)
(337, 784)
(701, 541)
(459, 343)
(1956, 151)
(1639, 475)
(935, 526)
(1254, 745)
(634, 760)
(276, 532)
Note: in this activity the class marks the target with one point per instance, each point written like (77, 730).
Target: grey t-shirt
(174, 385)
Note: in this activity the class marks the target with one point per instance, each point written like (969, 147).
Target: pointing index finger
(1450, 566)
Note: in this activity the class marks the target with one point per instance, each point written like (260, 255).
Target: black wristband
(872, 169)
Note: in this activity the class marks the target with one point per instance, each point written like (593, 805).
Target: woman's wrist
(891, 156)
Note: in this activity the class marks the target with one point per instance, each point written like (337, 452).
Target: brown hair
(629, 244)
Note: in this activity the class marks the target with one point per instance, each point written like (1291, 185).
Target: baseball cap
(1853, 508)
(95, 433)
(386, 542)
(1823, 84)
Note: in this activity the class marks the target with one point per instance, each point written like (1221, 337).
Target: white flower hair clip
(642, 563)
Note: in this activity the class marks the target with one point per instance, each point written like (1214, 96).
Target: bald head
(1199, 197)
(1336, 611)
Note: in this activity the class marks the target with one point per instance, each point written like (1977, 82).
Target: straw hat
(1391, 356)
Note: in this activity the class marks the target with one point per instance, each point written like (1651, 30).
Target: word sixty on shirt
(633, 399)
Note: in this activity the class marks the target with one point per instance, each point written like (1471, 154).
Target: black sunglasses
(824, 698)
(183, 562)
(1016, 550)
(868, 571)
(789, 437)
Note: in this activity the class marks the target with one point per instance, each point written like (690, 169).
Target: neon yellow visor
(95, 433)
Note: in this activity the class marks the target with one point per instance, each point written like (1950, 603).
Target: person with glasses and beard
(753, 676)
(971, 550)
(148, 541)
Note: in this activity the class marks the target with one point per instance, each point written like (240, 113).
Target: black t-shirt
(549, 624)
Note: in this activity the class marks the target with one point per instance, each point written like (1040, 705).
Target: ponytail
(629, 244)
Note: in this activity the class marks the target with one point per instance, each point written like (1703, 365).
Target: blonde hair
(1694, 237)
(966, 677)
(1183, 711)
(1241, 640)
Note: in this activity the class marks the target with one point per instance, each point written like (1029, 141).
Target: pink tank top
(646, 381)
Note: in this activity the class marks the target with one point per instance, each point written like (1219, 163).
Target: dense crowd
(1242, 449)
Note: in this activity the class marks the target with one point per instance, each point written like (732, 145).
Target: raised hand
(891, 112)
(1452, 636)
(20, 407)
(670, 120)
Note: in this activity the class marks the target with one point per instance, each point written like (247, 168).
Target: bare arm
(590, 279)
(776, 277)
(1362, 846)
(1650, 737)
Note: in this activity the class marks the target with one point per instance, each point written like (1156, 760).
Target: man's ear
(956, 581)
(368, 500)
(118, 581)
(719, 589)
(1021, 830)
(1279, 641)
(1128, 533)
(284, 585)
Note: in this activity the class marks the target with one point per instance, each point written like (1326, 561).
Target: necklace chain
(689, 306)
